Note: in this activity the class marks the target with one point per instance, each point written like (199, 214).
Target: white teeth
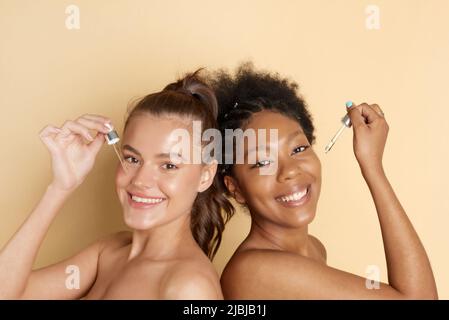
(294, 197)
(146, 200)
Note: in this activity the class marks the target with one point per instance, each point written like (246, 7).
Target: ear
(207, 175)
(233, 188)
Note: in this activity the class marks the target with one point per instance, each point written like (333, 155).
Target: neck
(295, 240)
(163, 241)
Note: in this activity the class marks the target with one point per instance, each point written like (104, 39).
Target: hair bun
(194, 85)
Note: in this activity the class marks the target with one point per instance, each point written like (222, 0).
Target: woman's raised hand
(370, 135)
(73, 149)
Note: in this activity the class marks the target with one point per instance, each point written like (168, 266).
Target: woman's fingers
(48, 134)
(74, 127)
(79, 127)
(97, 118)
(98, 142)
(370, 114)
(364, 114)
(49, 131)
(370, 134)
(355, 114)
(378, 110)
(93, 124)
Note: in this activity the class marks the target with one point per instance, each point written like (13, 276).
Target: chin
(296, 219)
(302, 218)
(136, 222)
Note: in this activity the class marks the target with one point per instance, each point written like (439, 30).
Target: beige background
(125, 49)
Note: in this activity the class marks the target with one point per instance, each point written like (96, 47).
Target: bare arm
(270, 274)
(409, 269)
(18, 255)
(72, 159)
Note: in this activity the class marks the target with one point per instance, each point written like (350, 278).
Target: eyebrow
(129, 148)
(295, 134)
(159, 155)
(289, 137)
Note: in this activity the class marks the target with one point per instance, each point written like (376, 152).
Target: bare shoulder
(246, 267)
(273, 274)
(191, 279)
(260, 273)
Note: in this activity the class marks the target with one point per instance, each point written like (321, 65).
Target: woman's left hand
(370, 135)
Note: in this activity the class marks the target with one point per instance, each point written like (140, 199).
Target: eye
(169, 166)
(131, 159)
(262, 163)
(300, 149)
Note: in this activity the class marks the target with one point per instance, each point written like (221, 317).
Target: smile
(146, 200)
(140, 202)
(295, 199)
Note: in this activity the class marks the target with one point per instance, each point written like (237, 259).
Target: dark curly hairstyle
(250, 91)
(191, 97)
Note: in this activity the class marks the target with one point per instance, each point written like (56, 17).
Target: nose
(145, 177)
(289, 169)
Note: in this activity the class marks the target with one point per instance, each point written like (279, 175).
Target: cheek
(316, 170)
(258, 188)
(249, 181)
(120, 183)
(171, 186)
(122, 179)
(182, 184)
(262, 186)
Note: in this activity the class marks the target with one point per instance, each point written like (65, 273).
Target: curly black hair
(250, 91)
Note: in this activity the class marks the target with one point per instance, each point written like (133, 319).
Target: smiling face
(153, 190)
(289, 196)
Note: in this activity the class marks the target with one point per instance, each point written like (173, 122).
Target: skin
(280, 260)
(159, 259)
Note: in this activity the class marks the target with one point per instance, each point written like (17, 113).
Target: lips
(141, 201)
(296, 197)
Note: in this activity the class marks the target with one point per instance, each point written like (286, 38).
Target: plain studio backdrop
(60, 59)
